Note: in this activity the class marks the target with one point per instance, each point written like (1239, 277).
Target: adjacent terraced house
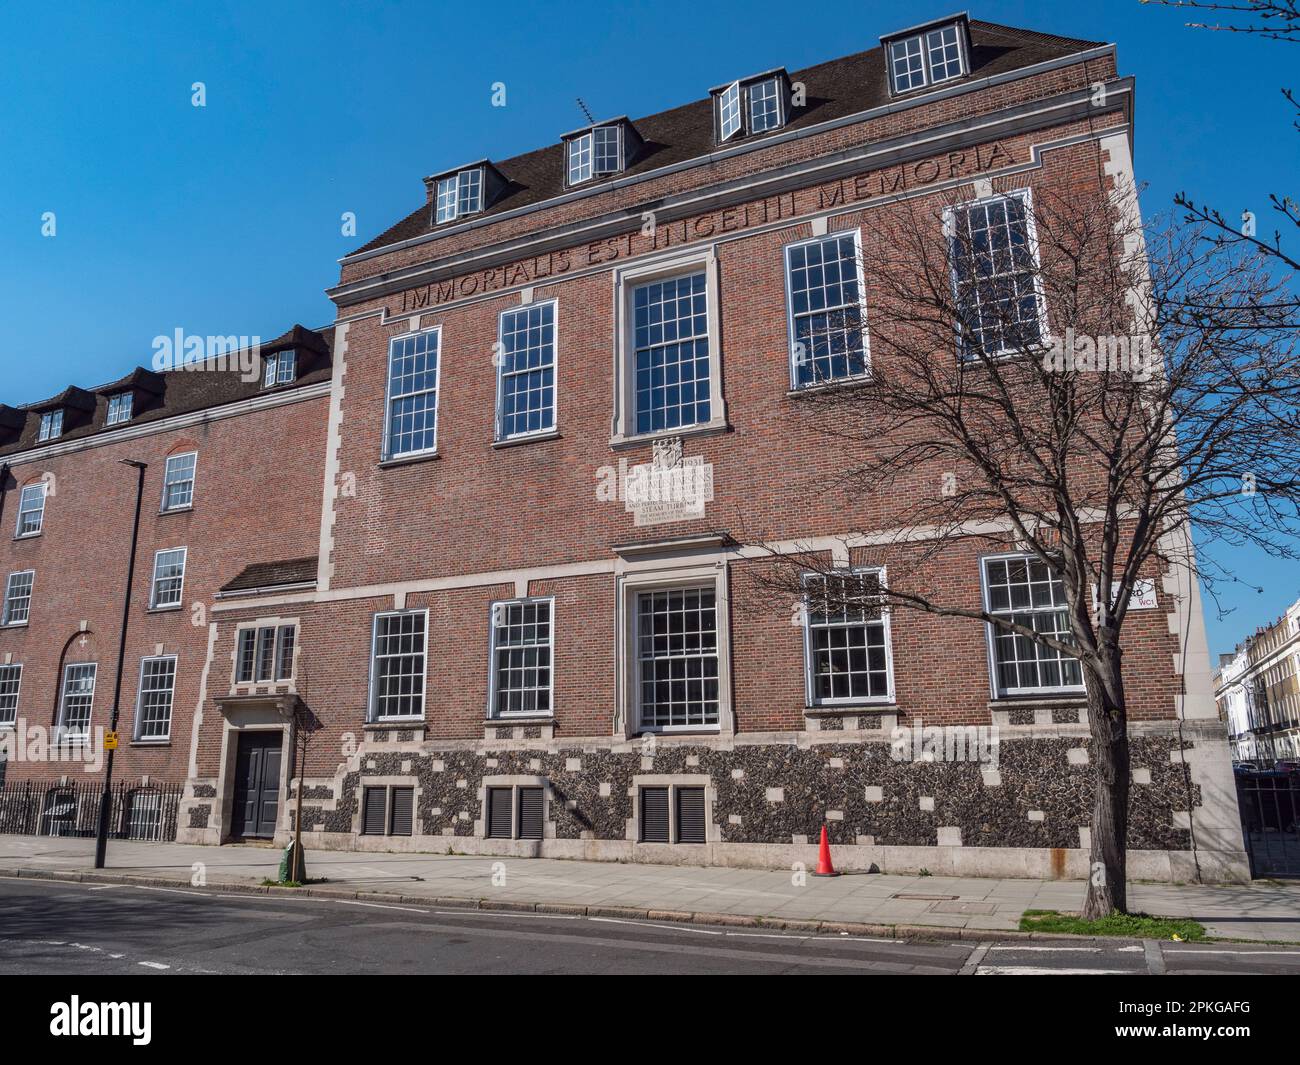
(482, 575)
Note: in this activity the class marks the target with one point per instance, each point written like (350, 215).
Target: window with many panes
(168, 578)
(521, 657)
(119, 408)
(18, 597)
(828, 332)
(31, 510)
(755, 106)
(11, 677)
(926, 58)
(178, 481)
(412, 417)
(526, 371)
(278, 369)
(1023, 590)
(153, 713)
(51, 425)
(78, 698)
(597, 152)
(846, 639)
(995, 276)
(677, 658)
(671, 364)
(459, 194)
(397, 665)
(265, 653)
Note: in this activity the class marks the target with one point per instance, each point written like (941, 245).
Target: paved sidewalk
(1263, 912)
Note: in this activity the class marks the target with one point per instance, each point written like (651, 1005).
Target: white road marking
(1273, 953)
(379, 906)
(1033, 970)
(1055, 950)
(508, 913)
(153, 965)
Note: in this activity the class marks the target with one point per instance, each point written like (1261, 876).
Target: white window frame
(777, 84)
(809, 687)
(626, 280)
(995, 690)
(795, 384)
(278, 626)
(372, 695)
(154, 604)
(501, 434)
(451, 189)
(9, 597)
(193, 482)
(493, 648)
(387, 454)
(63, 731)
(731, 112)
(24, 510)
(581, 157)
(138, 733)
(921, 39)
(121, 408)
(950, 213)
(273, 368)
(630, 585)
(51, 427)
(16, 668)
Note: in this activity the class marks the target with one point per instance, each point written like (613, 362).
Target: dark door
(257, 785)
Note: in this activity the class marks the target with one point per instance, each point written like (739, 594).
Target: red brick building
(499, 644)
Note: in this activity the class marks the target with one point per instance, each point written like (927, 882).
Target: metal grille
(138, 811)
(402, 821)
(530, 813)
(374, 811)
(690, 815)
(1270, 821)
(498, 813)
(654, 815)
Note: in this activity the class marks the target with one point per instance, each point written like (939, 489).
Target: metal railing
(43, 808)
(1270, 821)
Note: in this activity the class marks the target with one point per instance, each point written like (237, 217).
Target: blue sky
(225, 219)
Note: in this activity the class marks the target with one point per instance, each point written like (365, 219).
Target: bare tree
(1050, 377)
(1273, 20)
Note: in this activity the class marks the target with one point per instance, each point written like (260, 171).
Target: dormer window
(119, 408)
(279, 369)
(597, 152)
(752, 105)
(51, 425)
(932, 55)
(460, 194)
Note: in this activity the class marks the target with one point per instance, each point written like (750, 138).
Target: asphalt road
(49, 927)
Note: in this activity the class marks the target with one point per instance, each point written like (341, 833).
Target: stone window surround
(514, 782)
(627, 278)
(664, 575)
(672, 781)
(258, 687)
(388, 782)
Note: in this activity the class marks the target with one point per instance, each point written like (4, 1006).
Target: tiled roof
(164, 395)
(835, 89)
(271, 574)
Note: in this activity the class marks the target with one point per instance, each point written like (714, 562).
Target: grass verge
(1128, 925)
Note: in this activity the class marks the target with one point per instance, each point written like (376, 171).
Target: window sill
(623, 443)
(702, 730)
(165, 609)
(844, 384)
(15, 625)
(28, 536)
(1046, 699)
(393, 723)
(175, 510)
(150, 743)
(519, 719)
(409, 460)
(836, 709)
(526, 438)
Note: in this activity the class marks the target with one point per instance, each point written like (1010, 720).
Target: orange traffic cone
(824, 867)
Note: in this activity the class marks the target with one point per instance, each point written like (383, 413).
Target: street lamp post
(106, 799)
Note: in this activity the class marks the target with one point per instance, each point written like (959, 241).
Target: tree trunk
(1108, 720)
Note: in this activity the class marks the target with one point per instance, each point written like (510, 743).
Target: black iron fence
(139, 811)
(1270, 822)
